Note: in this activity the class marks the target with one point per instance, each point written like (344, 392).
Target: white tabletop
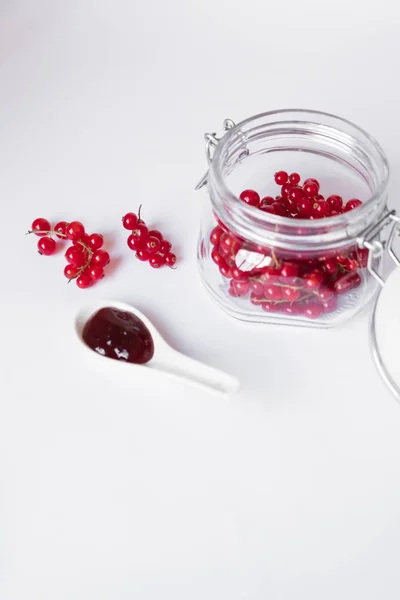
(154, 490)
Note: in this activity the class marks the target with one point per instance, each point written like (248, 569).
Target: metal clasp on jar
(211, 141)
(375, 247)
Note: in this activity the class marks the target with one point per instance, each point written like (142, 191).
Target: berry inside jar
(290, 283)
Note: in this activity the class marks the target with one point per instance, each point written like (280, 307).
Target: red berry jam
(120, 335)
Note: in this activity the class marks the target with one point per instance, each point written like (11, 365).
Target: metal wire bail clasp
(211, 141)
(375, 247)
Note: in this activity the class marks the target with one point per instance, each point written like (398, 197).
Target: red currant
(312, 310)
(157, 234)
(286, 190)
(95, 241)
(46, 245)
(100, 258)
(216, 257)
(140, 232)
(241, 287)
(314, 280)
(70, 271)
(96, 273)
(335, 202)
(324, 294)
(257, 288)
(267, 201)
(296, 194)
(362, 257)
(291, 294)
(270, 307)
(152, 244)
(170, 259)
(347, 282)
(281, 177)
(142, 254)
(289, 270)
(225, 270)
(278, 209)
(330, 266)
(165, 247)
(134, 243)
(215, 235)
(351, 204)
(250, 197)
(305, 208)
(237, 273)
(329, 305)
(320, 209)
(156, 260)
(40, 225)
(273, 292)
(311, 188)
(84, 281)
(294, 178)
(60, 229)
(75, 231)
(76, 256)
(129, 221)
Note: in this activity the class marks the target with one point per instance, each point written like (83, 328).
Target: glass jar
(263, 267)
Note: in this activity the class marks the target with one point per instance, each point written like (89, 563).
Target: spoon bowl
(165, 360)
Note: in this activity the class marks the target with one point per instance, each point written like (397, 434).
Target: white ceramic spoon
(166, 359)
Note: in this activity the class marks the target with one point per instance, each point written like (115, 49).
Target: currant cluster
(299, 201)
(85, 257)
(149, 245)
(289, 284)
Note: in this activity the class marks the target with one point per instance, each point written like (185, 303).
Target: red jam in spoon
(119, 334)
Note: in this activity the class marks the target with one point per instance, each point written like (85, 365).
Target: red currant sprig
(86, 259)
(149, 245)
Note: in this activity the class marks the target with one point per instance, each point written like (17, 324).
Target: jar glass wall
(296, 271)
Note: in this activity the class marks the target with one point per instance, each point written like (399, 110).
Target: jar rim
(217, 179)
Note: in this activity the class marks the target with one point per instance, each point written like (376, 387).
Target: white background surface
(291, 490)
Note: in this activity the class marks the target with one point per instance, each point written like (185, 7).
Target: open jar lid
(385, 332)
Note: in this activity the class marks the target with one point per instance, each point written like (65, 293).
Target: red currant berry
(268, 209)
(100, 258)
(157, 234)
(330, 266)
(46, 245)
(288, 270)
(270, 307)
(329, 305)
(215, 235)
(76, 256)
(165, 247)
(362, 257)
(229, 242)
(237, 273)
(273, 292)
(142, 254)
(225, 270)
(285, 191)
(84, 281)
(311, 188)
(70, 271)
(294, 178)
(95, 241)
(351, 204)
(335, 202)
(257, 299)
(75, 231)
(305, 208)
(281, 177)
(156, 260)
(347, 282)
(96, 273)
(60, 229)
(152, 244)
(324, 294)
(278, 209)
(267, 201)
(129, 221)
(40, 225)
(140, 232)
(241, 287)
(312, 311)
(296, 194)
(314, 280)
(216, 257)
(250, 197)
(170, 259)
(134, 243)
(291, 294)
(320, 209)
(257, 288)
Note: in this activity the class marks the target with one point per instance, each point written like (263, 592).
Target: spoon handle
(197, 373)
